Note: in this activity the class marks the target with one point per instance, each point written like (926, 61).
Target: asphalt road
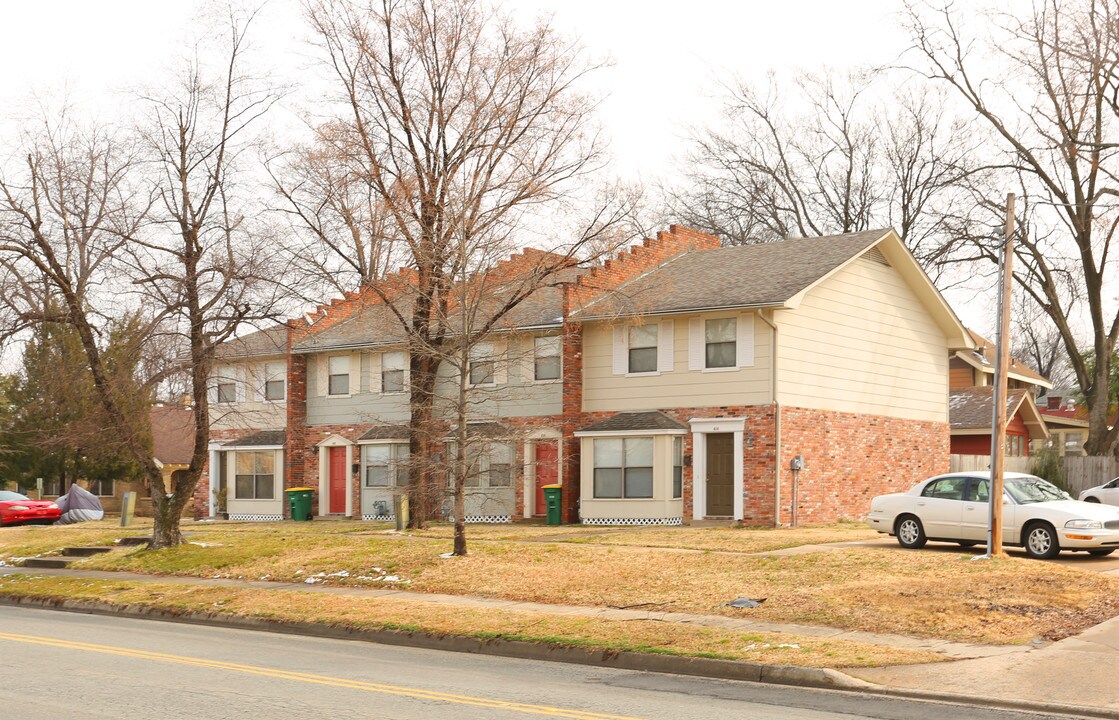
(78, 667)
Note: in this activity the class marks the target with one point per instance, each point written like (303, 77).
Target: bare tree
(155, 221)
(1049, 100)
(821, 156)
(461, 125)
(1038, 343)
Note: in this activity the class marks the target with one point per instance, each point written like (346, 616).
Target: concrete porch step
(85, 551)
(48, 562)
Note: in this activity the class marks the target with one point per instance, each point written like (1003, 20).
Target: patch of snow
(202, 544)
(340, 573)
(312, 580)
(298, 572)
(447, 555)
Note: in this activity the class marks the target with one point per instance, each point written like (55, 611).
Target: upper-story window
(275, 381)
(643, 348)
(720, 346)
(546, 358)
(338, 375)
(481, 364)
(392, 372)
(226, 390)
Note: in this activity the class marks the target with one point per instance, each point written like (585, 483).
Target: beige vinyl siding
(603, 391)
(862, 342)
(661, 505)
(251, 411)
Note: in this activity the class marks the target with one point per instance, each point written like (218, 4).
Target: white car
(1037, 515)
(1107, 493)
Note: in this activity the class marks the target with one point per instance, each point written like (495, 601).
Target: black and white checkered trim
(380, 518)
(254, 517)
(633, 521)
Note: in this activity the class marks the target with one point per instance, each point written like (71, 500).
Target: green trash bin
(299, 502)
(553, 495)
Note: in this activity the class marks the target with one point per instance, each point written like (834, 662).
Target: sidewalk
(952, 650)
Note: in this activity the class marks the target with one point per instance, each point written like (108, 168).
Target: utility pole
(1002, 366)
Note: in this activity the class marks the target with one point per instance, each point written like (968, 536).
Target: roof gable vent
(875, 255)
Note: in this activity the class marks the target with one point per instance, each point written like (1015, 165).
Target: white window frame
(330, 359)
(482, 353)
(623, 467)
(275, 372)
(665, 346)
(398, 458)
(269, 453)
(744, 341)
(394, 357)
(547, 342)
(631, 332)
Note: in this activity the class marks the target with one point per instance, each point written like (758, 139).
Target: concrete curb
(822, 678)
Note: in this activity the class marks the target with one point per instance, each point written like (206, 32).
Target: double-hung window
(481, 364)
(256, 474)
(643, 348)
(338, 375)
(623, 467)
(383, 464)
(720, 346)
(677, 467)
(226, 390)
(102, 487)
(500, 471)
(392, 372)
(546, 358)
(274, 381)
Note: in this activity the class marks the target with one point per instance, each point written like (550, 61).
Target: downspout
(771, 321)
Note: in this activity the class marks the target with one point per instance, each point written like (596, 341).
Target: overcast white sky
(665, 58)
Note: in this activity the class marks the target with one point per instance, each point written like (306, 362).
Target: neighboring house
(172, 448)
(248, 416)
(1066, 419)
(971, 378)
(784, 382)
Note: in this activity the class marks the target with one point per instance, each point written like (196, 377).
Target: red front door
(337, 480)
(547, 472)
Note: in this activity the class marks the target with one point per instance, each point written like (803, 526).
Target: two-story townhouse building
(784, 382)
(248, 421)
(349, 412)
(971, 378)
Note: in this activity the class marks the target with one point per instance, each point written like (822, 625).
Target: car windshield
(1029, 489)
(5, 495)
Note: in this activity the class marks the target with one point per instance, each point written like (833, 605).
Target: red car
(16, 508)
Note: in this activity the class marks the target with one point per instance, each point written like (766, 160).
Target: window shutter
(407, 371)
(243, 379)
(621, 354)
(321, 372)
(355, 373)
(696, 344)
(666, 346)
(744, 343)
(375, 366)
(500, 362)
(528, 364)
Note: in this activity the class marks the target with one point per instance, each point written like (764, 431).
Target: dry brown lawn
(877, 589)
(385, 613)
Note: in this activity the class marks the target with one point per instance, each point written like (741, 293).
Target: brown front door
(720, 474)
(337, 479)
(547, 472)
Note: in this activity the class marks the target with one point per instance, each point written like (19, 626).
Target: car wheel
(1041, 541)
(1101, 552)
(909, 532)
(1091, 499)
(966, 543)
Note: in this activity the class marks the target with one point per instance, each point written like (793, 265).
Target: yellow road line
(416, 693)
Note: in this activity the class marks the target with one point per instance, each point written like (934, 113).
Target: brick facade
(850, 458)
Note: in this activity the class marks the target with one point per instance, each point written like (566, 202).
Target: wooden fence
(1081, 473)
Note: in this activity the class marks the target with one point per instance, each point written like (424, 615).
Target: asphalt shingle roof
(973, 408)
(385, 432)
(741, 276)
(270, 341)
(172, 434)
(625, 421)
(262, 438)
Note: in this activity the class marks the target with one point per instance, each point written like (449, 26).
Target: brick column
(572, 409)
(296, 465)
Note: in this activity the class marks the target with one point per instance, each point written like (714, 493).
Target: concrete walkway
(953, 650)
